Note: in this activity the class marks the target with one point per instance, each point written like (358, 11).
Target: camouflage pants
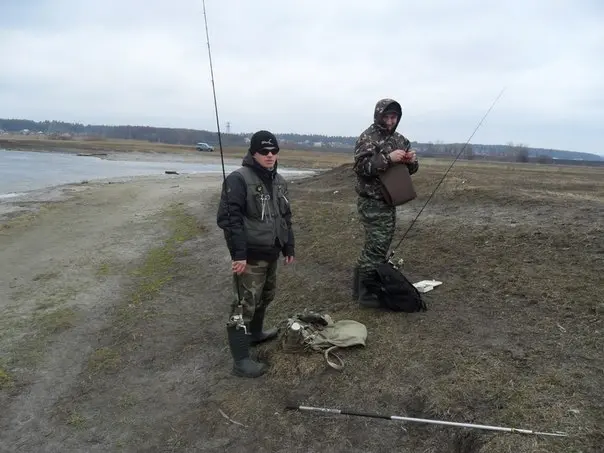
(379, 221)
(256, 287)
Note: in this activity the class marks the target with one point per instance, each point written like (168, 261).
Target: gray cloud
(313, 66)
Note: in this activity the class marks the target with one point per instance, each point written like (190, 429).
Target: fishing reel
(237, 321)
(398, 265)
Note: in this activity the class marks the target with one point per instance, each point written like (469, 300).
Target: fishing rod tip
(555, 434)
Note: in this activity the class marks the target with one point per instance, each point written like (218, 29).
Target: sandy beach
(64, 255)
(72, 255)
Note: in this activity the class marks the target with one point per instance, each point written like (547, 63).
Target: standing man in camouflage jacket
(377, 148)
(255, 215)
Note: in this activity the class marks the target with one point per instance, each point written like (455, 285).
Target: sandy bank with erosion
(12, 205)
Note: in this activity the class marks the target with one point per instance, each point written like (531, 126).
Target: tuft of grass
(45, 276)
(157, 268)
(103, 270)
(20, 220)
(184, 225)
(59, 296)
(127, 400)
(25, 219)
(76, 420)
(44, 325)
(153, 274)
(54, 322)
(103, 360)
(6, 380)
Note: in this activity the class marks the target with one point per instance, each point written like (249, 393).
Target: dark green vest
(264, 221)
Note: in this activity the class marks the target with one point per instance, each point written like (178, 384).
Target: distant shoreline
(142, 150)
(307, 159)
(15, 204)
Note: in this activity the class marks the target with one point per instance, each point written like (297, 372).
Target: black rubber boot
(257, 334)
(243, 365)
(366, 298)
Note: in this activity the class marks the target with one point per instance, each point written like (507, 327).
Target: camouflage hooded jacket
(372, 149)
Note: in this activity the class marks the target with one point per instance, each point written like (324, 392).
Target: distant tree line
(181, 136)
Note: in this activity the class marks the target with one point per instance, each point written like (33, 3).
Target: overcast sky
(313, 66)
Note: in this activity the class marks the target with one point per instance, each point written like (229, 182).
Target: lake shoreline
(14, 198)
(26, 203)
(31, 202)
(148, 156)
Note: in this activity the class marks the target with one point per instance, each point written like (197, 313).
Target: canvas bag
(313, 331)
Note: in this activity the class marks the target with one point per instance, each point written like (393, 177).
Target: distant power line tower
(228, 127)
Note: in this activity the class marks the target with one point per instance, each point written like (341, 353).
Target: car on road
(204, 147)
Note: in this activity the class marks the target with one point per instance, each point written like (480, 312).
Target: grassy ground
(512, 337)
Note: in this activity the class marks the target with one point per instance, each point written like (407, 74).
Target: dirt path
(62, 270)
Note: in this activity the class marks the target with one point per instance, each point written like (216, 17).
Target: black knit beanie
(263, 140)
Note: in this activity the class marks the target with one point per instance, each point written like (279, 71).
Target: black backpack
(394, 291)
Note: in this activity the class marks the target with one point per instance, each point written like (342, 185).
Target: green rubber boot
(257, 334)
(243, 365)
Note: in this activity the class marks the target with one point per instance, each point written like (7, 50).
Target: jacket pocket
(259, 233)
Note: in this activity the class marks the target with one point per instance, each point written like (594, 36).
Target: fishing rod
(225, 192)
(205, 18)
(446, 172)
(422, 420)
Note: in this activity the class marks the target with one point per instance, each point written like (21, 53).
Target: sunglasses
(265, 151)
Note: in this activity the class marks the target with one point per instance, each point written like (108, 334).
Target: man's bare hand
(397, 155)
(288, 260)
(239, 266)
(409, 157)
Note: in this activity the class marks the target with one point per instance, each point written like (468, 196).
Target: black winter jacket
(234, 189)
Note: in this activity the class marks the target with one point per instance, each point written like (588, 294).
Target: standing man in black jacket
(255, 214)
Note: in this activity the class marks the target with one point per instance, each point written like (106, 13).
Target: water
(22, 171)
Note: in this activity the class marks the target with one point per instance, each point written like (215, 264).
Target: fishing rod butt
(291, 405)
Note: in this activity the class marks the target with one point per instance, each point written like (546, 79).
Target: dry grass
(46, 323)
(513, 337)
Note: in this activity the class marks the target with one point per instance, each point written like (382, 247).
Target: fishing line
(446, 172)
(226, 194)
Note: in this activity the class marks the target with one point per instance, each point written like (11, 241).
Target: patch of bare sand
(63, 263)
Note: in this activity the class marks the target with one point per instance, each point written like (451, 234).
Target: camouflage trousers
(379, 221)
(256, 287)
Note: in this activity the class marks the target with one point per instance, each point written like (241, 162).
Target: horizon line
(438, 141)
